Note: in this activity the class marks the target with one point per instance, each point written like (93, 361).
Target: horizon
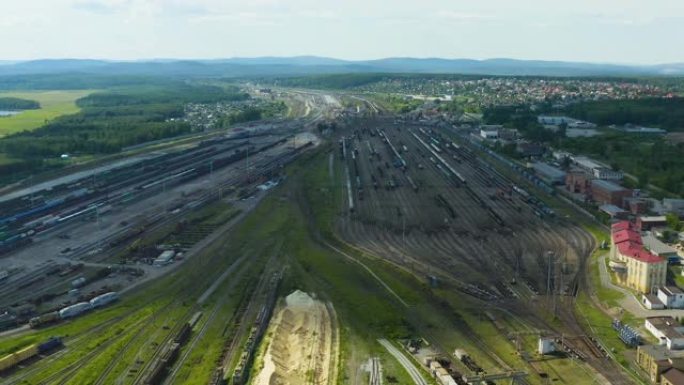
(581, 31)
(312, 56)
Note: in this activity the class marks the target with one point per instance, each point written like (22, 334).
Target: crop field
(52, 105)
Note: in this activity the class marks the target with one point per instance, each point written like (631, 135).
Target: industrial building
(640, 270)
(164, 258)
(657, 247)
(577, 182)
(605, 173)
(605, 192)
(613, 211)
(657, 360)
(646, 223)
(548, 173)
(667, 330)
(671, 296)
(569, 122)
(489, 132)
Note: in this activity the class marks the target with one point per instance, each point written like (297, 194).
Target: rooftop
(611, 209)
(622, 225)
(656, 246)
(671, 290)
(661, 218)
(636, 251)
(674, 376)
(666, 325)
(626, 236)
(548, 170)
(606, 185)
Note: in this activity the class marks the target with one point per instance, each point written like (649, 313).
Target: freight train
(12, 360)
(73, 310)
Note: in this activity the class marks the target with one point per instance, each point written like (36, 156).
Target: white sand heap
(301, 344)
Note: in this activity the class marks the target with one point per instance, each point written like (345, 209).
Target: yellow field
(52, 105)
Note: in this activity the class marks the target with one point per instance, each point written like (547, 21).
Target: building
(605, 192)
(673, 206)
(527, 149)
(646, 223)
(671, 296)
(548, 173)
(652, 302)
(643, 271)
(577, 182)
(655, 360)
(605, 173)
(667, 330)
(489, 133)
(657, 247)
(555, 121)
(587, 164)
(164, 258)
(675, 374)
(613, 211)
(637, 206)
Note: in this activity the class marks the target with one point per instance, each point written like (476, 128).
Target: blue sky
(615, 31)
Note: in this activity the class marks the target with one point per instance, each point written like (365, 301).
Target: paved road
(414, 372)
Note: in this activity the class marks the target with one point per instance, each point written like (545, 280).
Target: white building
(652, 302)
(489, 133)
(164, 258)
(606, 173)
(667, 330)
(671, 296)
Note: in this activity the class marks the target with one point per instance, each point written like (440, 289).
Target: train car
(44, 319)
(13, 359)
(75, 310)
(104, 299)
(51, 344)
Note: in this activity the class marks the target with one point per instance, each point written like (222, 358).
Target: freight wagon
(11, 360)
(74, 310)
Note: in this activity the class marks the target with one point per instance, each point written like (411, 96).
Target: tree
(673, 221)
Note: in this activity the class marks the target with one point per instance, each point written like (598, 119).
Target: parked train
(73, 310)
(11, 360)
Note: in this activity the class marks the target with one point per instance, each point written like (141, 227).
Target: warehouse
(667, 330)
(549, 174)
(604, 192)
(671, 296)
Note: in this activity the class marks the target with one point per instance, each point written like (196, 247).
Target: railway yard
(379, 252)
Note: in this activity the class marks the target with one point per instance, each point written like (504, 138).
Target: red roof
(636, 251)
(626, 236)
(622, 225)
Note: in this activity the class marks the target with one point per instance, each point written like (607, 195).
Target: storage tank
(104, 299)
(74, 310)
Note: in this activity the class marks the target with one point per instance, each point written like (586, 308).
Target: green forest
(661, 113)
(12, 104)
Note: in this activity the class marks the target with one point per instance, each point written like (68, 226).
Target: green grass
(52, 105)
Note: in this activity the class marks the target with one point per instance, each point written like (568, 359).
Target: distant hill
(302, 65)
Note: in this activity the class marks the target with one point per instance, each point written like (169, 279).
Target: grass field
(52, 105)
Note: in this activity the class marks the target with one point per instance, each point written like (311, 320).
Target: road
(414, 372)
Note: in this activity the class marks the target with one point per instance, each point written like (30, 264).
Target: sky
(605, 31)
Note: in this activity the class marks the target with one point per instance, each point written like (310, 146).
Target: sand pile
(301, 343)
